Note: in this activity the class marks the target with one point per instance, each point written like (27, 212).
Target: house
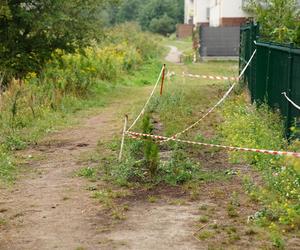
(215, 13)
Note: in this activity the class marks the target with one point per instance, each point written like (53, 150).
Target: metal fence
(219, 41)
(274, 70)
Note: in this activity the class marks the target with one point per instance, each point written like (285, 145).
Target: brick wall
(232, 21)
(184, 30)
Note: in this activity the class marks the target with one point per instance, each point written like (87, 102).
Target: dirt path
(174, 55)
(49, 208)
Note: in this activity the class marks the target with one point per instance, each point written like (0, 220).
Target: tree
(163, 25)
(279, 19)
(151, 14)
(157, 9)
(30, 30)
(128, 10)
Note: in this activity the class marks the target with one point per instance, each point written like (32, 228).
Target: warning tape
(136, 135)
(294, 104)
(220, 78)
(217, 104)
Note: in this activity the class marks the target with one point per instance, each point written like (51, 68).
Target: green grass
(87, 172)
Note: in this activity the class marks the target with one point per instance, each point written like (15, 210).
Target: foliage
(158, 16)
(179, 169)
(279, 19)
(163, 25)
(87, 172)
(31, 30)
(259, 127)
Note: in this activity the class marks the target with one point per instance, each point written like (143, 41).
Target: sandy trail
(174, 55)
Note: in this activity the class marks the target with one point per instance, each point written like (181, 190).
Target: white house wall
(232, 8)
(197, 9)
(215, 12)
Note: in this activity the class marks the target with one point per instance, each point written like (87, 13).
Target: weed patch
(279, 189)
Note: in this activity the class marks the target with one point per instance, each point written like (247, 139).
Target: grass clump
(87, 172)
(206, 234)
(7, 167)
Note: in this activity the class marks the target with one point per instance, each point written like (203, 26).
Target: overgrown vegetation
(70, 82)
(279, 19)
(279, 192)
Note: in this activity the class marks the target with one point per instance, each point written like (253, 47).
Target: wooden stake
(162, 80)
(123, 137)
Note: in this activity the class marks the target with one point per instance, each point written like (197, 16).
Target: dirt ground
(51, 208)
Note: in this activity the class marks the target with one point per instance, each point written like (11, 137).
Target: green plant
(203, 219)
(205, 234)
(7, 168)
(231, 211)
(87, 172)
(151, 156)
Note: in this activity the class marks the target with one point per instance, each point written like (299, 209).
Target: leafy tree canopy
(30, 30)
(158, 16)
(279, 19)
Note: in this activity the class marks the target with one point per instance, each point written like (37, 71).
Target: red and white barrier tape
(217, 104)
(149, 98)
(220, 78)
(135, 135)
(294, 104)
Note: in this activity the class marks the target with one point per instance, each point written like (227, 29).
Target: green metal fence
(274, 70)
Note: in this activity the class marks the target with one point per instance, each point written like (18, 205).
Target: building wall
(196, 11)
(226, 13)
(201, 14)
(232, 8)
(215, 12)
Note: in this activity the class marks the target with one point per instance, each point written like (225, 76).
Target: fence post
(267, 75)
(288, 122)
(123, 137)
(162, 80)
